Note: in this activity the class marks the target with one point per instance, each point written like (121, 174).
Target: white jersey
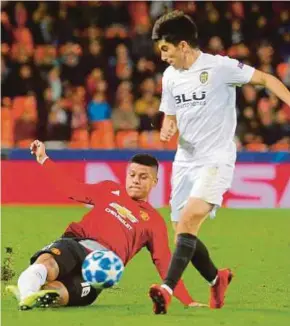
(203, 98)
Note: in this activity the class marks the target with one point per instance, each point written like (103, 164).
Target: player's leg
(41, 298)
(45, 268)
(201, 259)
(69, 291)
(74, 290)
(182, 181)
(61, 289)
(192, 216)
(207, 191)
(203, 188)
(54, 261)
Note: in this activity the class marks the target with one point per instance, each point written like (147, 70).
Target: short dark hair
(175, 27)
(145, 159)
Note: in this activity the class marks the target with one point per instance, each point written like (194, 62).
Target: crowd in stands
(85, 74)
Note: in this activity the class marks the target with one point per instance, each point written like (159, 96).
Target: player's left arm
(71, 188)
(237, 73)
(271, 83)
(62, 181)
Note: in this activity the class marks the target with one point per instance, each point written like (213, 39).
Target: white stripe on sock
(167, 288)
(213, 283)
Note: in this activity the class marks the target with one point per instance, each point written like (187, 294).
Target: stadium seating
(127, 139)
(25, 143)
(80, 139)
(117, 61)
(280, 147)
(102, 136)
(172, 144)
(7, 128)
(256, 147)
(150, 140)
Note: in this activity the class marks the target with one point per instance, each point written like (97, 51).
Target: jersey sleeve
(70, 188)
(167, 104)
(235, 72)
(161, 256)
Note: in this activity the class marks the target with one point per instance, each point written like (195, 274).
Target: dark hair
(145, 159)
(175, 27)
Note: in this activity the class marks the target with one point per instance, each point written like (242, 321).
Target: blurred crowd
(85, 74)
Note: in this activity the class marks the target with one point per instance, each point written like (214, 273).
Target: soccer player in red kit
(121, 220)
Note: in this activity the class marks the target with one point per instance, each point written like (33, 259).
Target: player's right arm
(85, 193)
(169, 125)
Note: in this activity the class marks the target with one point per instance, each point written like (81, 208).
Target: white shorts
(207, 182)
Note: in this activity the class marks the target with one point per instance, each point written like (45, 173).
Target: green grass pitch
(254, 243)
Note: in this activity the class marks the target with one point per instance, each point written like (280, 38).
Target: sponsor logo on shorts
(55, 251)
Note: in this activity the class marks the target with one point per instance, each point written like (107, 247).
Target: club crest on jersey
(144, 216)
(124, 212)
(203, 77)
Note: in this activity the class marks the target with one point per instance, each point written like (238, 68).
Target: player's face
(140, 180)
(173, 55)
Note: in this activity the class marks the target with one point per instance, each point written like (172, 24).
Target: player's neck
(191, 58)
(142, 199)
(139, 199)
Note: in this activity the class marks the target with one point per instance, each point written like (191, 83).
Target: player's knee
(62, 290)
(51, 265)
(199, 214)
(188, 225)
(196, 217)
(197, 209)
(192, 217)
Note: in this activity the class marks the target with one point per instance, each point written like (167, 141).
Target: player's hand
(167, 131)
(37, 148)
(195, 304)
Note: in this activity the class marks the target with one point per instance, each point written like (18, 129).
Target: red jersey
(118, 222)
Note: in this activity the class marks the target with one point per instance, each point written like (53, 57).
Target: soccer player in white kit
(198, 99)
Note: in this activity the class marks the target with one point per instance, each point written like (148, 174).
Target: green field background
(254, 243)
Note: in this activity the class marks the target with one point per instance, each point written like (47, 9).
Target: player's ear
(183, 46)
(155, 177)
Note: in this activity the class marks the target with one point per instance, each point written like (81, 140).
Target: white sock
(167, 288)
(212, 283)
(31, 280)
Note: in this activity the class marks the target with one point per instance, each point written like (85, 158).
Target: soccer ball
(102, 269)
